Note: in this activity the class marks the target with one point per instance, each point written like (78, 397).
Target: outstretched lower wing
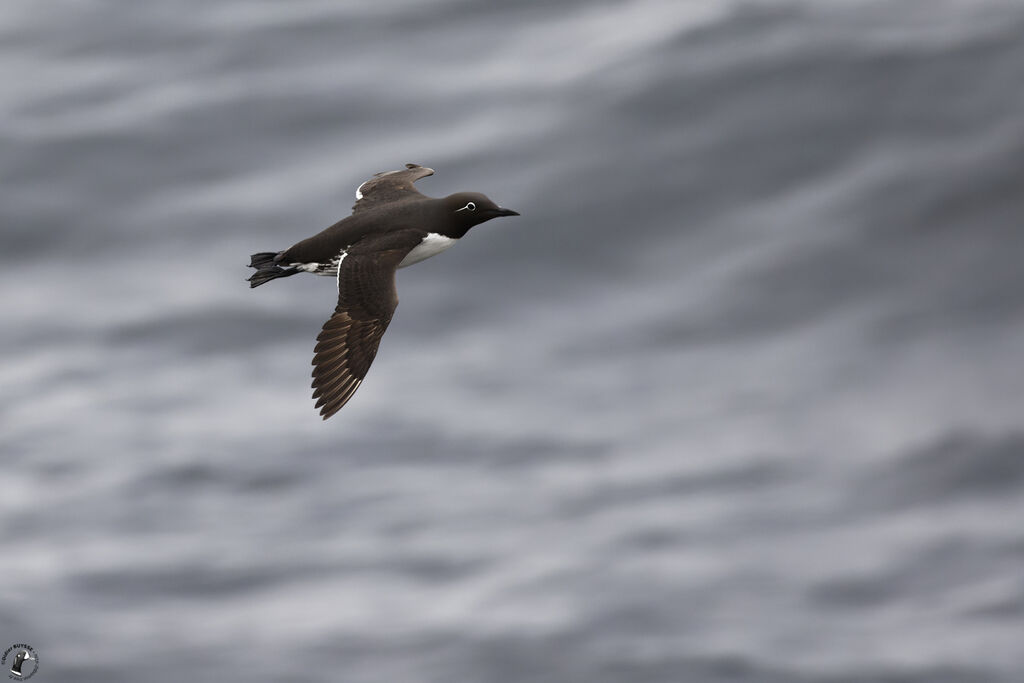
(348, 342)
(389, 187)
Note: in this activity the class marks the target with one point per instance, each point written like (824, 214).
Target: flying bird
(392, 226)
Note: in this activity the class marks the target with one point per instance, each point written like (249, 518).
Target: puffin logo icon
(21, 661)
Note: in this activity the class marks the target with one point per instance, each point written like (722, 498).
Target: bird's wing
(390, 186)
(367, 299)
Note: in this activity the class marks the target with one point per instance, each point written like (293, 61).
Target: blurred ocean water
(739, 397)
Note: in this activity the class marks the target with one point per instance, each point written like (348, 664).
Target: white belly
(431, 245)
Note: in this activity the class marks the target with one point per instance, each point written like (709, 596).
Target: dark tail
(267, 269)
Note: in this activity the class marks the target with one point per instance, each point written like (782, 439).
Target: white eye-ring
(471, 206)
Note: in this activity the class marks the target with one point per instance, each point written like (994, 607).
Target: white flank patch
(328, 269)
(433, 244)
(337, 269)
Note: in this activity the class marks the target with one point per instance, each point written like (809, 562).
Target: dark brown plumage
(392, 225)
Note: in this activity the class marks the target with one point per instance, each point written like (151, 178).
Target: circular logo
(20, 661)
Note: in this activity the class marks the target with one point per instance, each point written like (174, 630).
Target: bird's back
(329, 242)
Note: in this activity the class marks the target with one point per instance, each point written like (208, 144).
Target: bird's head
(472, 208)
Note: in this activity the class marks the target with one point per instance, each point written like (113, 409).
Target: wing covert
(390, 186)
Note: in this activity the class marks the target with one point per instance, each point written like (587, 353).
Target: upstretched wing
(348, 342)
(389, 187)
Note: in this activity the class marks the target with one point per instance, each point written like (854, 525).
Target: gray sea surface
(740, 397)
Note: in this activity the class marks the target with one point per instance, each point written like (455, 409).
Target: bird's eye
(470, 206)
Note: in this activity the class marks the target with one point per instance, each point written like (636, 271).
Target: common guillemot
(392, 226)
